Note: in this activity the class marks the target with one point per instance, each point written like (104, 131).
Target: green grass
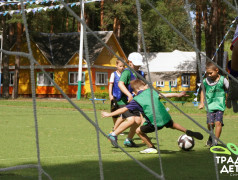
(68, 144)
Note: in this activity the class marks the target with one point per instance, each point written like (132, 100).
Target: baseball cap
(136, 58)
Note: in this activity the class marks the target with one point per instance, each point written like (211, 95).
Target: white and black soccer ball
(186, 142)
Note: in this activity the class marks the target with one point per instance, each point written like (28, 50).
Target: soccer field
(69, 151)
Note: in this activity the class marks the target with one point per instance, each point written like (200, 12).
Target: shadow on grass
(179, 165)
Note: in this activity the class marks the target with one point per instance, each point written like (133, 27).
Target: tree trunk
(17, 63)
(102, 16)
(67, 22)
(73, 25)
(221, 32)
(206, 26)
(5, 60)
(213, 28)
(198, 33)
(51, 23)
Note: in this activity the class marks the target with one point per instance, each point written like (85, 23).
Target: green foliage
(98, 95)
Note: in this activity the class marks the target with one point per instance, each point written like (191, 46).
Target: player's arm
(123, 88)
(168, 95)
(114, 113)
(110, 91)
(124, 79)
(201, 100)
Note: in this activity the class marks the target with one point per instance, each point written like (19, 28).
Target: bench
(181, 102)
(98, 100)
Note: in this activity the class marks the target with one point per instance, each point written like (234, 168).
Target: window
(185, 80)
(101, 78)
(173, 83)
(160, 83)
(73, 78)
(11, 78)
(42, 79)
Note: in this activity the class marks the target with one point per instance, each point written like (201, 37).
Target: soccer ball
(186, 142)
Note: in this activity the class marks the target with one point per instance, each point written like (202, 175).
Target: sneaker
(209, 141)
(129, 143)
(113, 140)
(149, 151)
(196, 135)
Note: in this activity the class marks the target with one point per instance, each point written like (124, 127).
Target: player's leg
(141, 132)
(177, 126)
(128, 141)
(210, 126)
(124, 125)
(118, 121)
(218, 124)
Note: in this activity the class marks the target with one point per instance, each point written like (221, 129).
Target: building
(175, 71)
(58, 54)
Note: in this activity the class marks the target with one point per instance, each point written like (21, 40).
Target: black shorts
(148, 128)
(114, 107)
(129, 113)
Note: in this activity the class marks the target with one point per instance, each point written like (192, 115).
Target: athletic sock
(113, 134)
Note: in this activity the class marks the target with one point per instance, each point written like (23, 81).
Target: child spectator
(114, 90)
(215, 86)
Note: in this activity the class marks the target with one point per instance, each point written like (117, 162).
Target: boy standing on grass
(215, 86)
(114, 90)
(142, 102)
(135, 62)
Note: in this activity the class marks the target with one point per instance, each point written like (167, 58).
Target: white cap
(136, 58)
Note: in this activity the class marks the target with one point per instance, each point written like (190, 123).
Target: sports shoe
(113, 140)
(209, 141)
(129, 143)
(196, 135)
(149, 151)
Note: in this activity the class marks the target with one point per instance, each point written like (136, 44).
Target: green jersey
(126, 78)
(215, 95)
(162, 117)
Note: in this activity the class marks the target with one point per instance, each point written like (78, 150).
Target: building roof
(174, 61)
(170, 65)
(60, 48)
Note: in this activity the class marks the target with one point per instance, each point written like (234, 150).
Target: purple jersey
(133, 105)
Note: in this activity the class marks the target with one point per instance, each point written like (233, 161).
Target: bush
(98, 95)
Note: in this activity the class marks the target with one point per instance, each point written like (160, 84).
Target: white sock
(113, 134)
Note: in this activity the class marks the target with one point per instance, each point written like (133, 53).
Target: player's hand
(201, 106)
(130, 98)
(105, 114)
(232, 96)
(111, 98)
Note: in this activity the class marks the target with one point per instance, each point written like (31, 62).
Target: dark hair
(136, 84)
(211, 65)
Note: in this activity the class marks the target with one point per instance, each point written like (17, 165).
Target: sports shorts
(114, 107)
(148, 128)
(214, 116)
(129, 113)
